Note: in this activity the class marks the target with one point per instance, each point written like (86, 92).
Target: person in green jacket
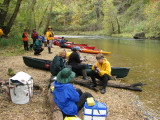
(58, 63)
(37, 46)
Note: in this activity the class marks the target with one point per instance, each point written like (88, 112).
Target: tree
(115, 16)
(49, 17)
(12, 19)
(3, 11)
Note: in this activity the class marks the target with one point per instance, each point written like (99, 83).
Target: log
(56, 111)
(111, 83)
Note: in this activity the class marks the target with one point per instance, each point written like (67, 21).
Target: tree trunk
(33, 11)
(3, 11)
(11, 21)
(49, 17)
(111, 83)
(43, 17)
(115, 16)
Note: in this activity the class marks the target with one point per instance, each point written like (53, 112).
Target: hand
(95, 65)
(98, 69)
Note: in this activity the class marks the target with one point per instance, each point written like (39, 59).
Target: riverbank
(102, 32)
(121, 103)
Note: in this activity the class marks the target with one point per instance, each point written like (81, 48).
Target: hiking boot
(93, 85)
(103, 91)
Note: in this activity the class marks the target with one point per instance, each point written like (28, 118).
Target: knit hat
(78, 48)
(65, 76)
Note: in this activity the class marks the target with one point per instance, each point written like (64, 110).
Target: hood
(58, 86)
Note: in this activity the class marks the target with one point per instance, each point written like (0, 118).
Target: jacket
(37, 44)
(105, 68)
(34, 35)
(57, 65)
(49, 35)
(66, 97)
(74, 59)
(25, 36)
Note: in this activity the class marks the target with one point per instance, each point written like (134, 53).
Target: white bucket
(21, 88)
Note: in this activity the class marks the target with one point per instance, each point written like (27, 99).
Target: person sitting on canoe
(62, 43)
(67, 98)
(58, 63)
(37, 46)
(102, 71)
(75, 62)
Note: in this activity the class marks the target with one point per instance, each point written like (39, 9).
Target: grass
(11, 46)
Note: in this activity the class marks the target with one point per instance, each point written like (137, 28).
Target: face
(50, 29)
(78, 51)
(63, 55)
(100, 61)
(34, 30)
(40, 39)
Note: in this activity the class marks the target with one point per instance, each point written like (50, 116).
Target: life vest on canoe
(25, 36)
(1, 32)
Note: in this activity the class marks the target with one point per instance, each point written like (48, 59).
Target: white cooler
(21, 88)
(96, 112)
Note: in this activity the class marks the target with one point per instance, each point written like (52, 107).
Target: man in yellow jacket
(50, 37)
(101, 71)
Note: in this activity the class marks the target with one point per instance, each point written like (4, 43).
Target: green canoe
(119, 72)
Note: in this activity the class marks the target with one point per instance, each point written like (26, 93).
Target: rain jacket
(66, 97)
(105, 68)
(57, 65)
(25, 36)
(49, 35)
(37, 44)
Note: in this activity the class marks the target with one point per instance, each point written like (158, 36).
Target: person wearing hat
(75, 62)
(37, 46)
(58, 63)
(62, 43)
(68, 99)
(25, 40)
(101, 71)
(50, 37)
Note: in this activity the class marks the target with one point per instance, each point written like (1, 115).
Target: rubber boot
(84, 72)
(49, 50)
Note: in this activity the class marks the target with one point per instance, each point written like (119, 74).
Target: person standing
(101, 71)
(34, 35)
(25, 40)
(50, 37)
(37, 46)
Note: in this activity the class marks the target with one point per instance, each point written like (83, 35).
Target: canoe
(57, 37)
(89, 47)
(119, 72)
(95, 51)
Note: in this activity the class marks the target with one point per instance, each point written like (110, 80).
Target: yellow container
(72, 118)
(90, 101)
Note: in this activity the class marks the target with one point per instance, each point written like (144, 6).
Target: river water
(142, 56)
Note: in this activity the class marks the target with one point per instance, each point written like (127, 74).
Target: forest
(100, 17)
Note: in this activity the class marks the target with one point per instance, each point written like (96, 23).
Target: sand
(120, 103)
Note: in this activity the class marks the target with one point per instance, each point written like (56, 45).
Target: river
(142, 56)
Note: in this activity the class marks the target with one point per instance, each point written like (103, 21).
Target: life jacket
(25, 36)
(34, 35)
(50, 35)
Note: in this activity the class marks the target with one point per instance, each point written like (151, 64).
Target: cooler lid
(100, 106)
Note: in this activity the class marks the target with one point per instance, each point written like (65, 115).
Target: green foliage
(14, 41)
